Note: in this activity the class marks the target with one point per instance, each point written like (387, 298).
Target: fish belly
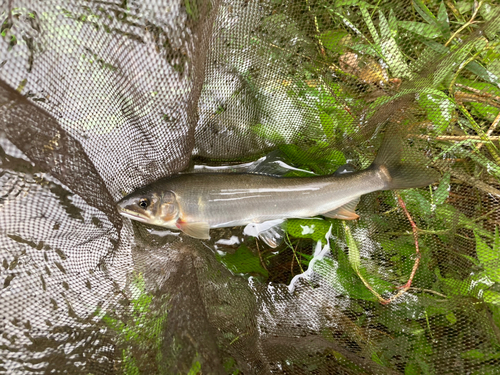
(240, 199)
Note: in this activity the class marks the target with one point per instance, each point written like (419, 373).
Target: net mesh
(100, 98)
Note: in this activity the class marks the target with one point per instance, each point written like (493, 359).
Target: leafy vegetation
(362, 65)
(138, 330)
(352, 63)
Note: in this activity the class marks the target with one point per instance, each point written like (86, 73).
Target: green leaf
(314, 229)
(424, 12)
(489, 258)
(443, 190)
(449, 215)
(393, 23)
(366, 49)
(476, 354)
(473, 66)
(390, 50)
(482, 86)
(485, 111)
(458, 287)
(343, 278)
(473, 286)
(342, 3)
(493, 297)
(443, 20)
(268, 133)
(473, 354)
(439, 110)
(331, 40)
(483, 73)
(195, 368)
(464, 6)
(492, 167)
(496, 241)
(243, 261)
(488, 11)
(328, 124)
(420, 28)
(419, 202)
(344, 122)
(369, 23)
(451, 317)
(457, 57)
(354, 258)
(320, 158)
(385, 31)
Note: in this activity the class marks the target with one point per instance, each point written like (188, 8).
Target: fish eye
(143, 203)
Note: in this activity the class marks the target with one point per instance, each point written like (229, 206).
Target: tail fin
(397, 172)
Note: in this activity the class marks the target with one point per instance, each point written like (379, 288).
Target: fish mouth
(132, 215)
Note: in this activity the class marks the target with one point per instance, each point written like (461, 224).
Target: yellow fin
(345, 212)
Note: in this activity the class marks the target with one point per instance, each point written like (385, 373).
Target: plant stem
(493, 126)
(469, 22)
(454, 137)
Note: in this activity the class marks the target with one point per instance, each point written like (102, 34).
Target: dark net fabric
(100, 98)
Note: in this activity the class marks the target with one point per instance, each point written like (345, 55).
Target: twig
(462, 66)
(489, 145)
(404, 288)
(483, 186)
(454, 137)
(316, 25)
(462, 97)
(390, 211)
(454, 10)
(428, 324)
(492, 128)
(485, 215)
(260, 255)
(494, 325)
(469, 22)
(477, 91)
(420, 231)
(381, 299)
(428, 291)
(289, 244)
(329, 65)
(296, 258)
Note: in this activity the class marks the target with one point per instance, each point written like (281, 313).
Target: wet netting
(99, 98)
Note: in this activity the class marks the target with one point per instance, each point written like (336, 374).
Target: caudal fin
(397, 169)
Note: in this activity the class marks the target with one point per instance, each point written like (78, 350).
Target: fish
(194, 203)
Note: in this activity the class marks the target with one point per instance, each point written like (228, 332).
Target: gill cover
(151, 207)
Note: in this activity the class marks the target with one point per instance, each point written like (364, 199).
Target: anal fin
(345, 212)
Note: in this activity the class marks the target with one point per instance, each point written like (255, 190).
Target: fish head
(151, 207)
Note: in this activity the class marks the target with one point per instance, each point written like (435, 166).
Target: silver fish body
(227, 200)
(196, 202)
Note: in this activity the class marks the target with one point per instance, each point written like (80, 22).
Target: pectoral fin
(197, 230)
(345, 212)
